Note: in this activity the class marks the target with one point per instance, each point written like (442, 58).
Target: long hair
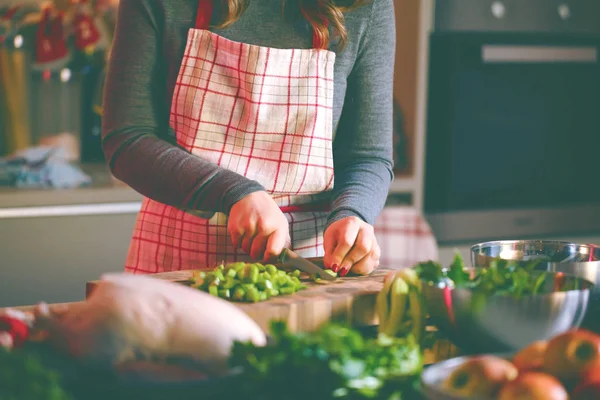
(322, 15)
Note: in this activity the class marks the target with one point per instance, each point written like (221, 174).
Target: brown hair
(321, 14)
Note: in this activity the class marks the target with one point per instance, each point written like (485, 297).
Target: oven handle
(492, 53)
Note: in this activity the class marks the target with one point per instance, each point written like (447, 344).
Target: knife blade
(291, 259)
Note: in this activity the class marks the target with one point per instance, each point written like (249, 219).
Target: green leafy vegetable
(457, 271)
(430, 271)
(334, 362)
(23, 376)
(503, 277)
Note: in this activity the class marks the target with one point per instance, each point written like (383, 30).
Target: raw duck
(131, 318)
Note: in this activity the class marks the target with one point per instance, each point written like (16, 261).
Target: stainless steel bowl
(582, 260)
(502, 323)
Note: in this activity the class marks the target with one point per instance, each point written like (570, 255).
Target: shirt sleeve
(363, 146)
(136, 122)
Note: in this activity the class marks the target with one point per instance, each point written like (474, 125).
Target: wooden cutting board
(349, 299)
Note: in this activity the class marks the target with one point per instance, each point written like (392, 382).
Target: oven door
(513, 123)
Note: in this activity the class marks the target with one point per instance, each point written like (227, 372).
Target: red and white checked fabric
(405, 238)
(264, 113)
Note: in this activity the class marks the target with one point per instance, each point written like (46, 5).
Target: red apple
(588, 386)
(531, 358)
(570, 353)
(591, 374)
(480, 376)
(533, 385)
(587, 391)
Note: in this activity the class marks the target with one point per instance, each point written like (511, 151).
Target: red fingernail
(344, 271)
(335, 267)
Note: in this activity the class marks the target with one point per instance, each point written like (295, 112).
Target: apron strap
(205, 12)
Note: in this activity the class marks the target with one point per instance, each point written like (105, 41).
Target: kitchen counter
(106, 195)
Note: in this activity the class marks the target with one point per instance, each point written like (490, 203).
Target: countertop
(104, 195)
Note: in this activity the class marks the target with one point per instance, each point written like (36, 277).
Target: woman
(231, 117)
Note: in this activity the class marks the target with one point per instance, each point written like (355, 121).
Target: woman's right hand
(258, 225)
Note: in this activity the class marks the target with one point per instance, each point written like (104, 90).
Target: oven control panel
(539, 16)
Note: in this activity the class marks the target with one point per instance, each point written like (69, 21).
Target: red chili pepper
(17, 329)
(559, 281)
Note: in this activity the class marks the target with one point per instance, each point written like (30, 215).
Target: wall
(405, 82)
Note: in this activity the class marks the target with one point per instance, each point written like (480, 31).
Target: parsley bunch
(334, 362)
(24, 377)
(503, 277)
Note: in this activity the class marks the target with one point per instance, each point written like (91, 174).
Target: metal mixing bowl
(503, 323)
(582, 260)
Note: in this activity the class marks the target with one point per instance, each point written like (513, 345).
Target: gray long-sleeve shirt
(147, 52)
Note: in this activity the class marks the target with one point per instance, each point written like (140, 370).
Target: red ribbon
(8, 15)
(51, 42)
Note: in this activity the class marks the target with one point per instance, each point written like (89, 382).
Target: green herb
(334, 362)
(430, 271)
(503, 277)
(457, 271)
(23, 376)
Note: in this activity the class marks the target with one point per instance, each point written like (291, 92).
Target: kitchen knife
(290, 259)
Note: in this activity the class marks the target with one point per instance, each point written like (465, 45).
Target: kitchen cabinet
(53, 241)
(51, 258)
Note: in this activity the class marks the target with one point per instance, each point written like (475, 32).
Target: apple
(587, 391)
(531, 357)
(570, 353)
(533, 385)
(590, 374)
(480, 376)
(588, 386)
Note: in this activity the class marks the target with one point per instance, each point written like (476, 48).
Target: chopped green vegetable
(334, 362)
(247, 282)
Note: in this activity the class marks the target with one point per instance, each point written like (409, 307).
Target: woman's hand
(350, 244)
(258, 225)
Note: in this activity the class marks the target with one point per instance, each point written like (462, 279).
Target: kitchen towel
(41, 167)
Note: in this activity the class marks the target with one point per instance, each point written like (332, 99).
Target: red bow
(86, 32)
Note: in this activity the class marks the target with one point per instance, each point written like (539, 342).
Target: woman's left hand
(350, 244)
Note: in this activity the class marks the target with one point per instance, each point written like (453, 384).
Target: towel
(405, 237)
(41, 167)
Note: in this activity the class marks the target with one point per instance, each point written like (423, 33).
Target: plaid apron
(264, 113)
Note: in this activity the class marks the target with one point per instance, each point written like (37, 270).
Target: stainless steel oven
(513, 119)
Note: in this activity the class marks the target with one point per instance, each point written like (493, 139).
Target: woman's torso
(261, 24)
